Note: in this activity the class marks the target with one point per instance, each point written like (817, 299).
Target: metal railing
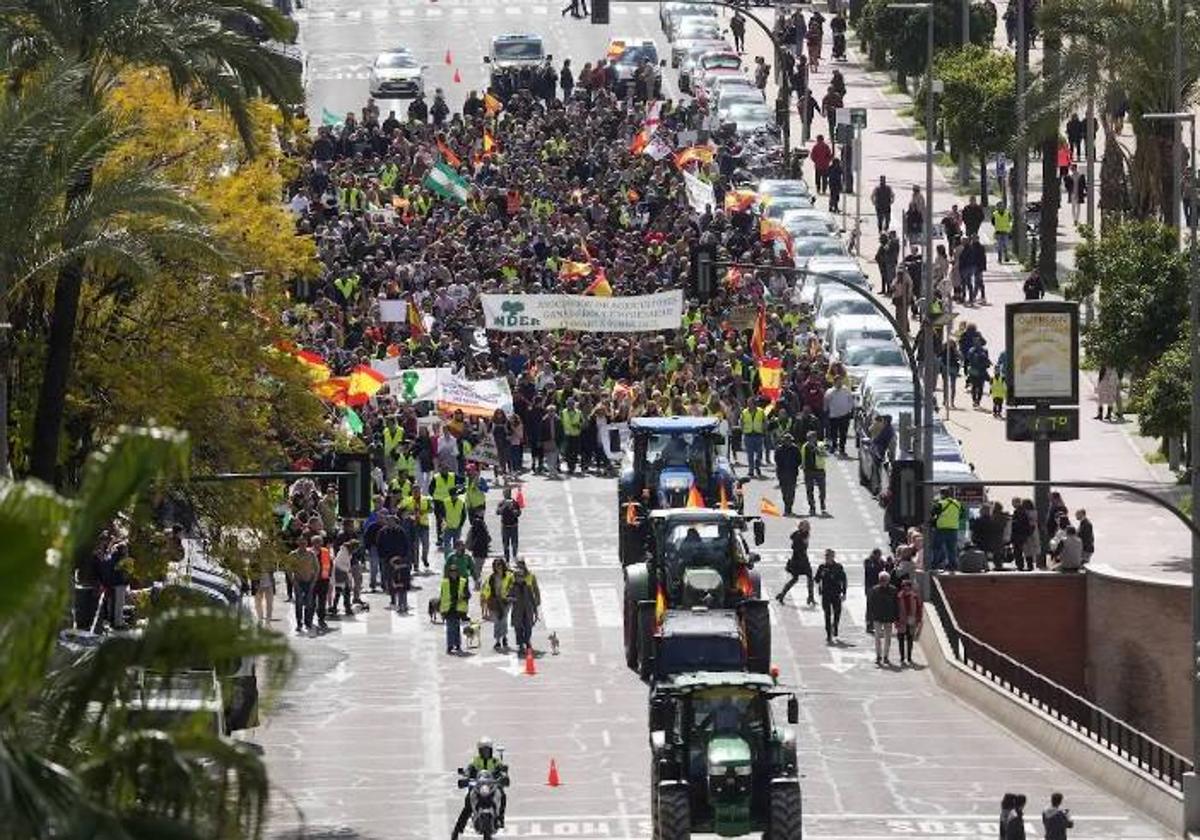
(1067, 707)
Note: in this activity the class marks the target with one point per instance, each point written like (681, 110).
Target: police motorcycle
(485, 795)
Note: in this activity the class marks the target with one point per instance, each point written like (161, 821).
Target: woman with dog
(524, 598)
(494, 600)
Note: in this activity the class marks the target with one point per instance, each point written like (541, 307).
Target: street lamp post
(927, 357)
(1191, 786)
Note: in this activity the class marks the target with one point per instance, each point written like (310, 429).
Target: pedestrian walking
(887, 256)
(1087, 534)
(947, 513)
(812, 461)
(1075, 184)
(510, 518)
(914, 218)
(882, 199)
(1002, 223)
(882, 613)
(525, 599)
(872, 566)
(1108, 392)
(737, 28)
(821, 156)
(831, 583)
(834, 178)
(787, 470)
(839, 409)
(1056, 819)
(754, 426)
(1014, 828)
(321, 586)
(911, 614)
(901, 295)
(454, 605)
(493, 600)
(999, 391)
(972, 217)
(798, 565)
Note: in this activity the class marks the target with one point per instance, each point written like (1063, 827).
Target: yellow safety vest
(457, 601)
(753, 421)
(948, 515)
(421, 511)
(485, 594)
(392, 438)
(572, 422)
(999, 388)
(818, 459)
(442, 485)
(475, 496)
(1002, 220)
(455, 512)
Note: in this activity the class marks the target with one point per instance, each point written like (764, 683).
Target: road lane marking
(574, 519)
(606, 605)
(599, 695)
(556, 609)
(606, 738)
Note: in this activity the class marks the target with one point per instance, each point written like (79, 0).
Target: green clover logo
(409, 380)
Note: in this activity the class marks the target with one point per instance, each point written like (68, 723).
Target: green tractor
(719, 762)
(693, 591)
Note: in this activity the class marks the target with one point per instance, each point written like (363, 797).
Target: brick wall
(1039, 619)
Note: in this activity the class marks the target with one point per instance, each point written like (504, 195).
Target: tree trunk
(47, 424)
(6, 345)
(1112, 181)
(1051, 184)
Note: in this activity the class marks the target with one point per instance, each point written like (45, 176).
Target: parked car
(822, 264)
(746, 117)
(396, 73)
(840, 303)
(627, 55)
(669, 15)
(804, 223)
(860, 357)
(774, 206)
(686, 55)
(692, 27)
(857, 327)
(513, 51)
(708, 91)
(805, 249)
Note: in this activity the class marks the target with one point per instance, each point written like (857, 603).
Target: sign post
(1042, 372)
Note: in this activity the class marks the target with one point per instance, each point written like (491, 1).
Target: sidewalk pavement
(1132, 535)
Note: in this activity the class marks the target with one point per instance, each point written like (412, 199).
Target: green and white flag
(330, 118)
(447, 183)
(352, 422)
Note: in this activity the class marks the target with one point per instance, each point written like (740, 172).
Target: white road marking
(606, 738)
(513, 10)
(406, 625)
(556, 609)
(771, 604)
(599, 695)
(574, 519)
(380, 14)
(606, 605)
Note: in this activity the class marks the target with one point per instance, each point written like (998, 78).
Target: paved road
(364, 741)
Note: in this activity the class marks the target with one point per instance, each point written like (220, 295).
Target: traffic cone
(448, 59)
(521, 498)
(457, 78)
(530, 665)
(553, 780)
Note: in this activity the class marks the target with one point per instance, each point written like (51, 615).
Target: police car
(514, 51)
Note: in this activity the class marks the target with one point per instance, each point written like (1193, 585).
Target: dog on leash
(435, 610)
(553, 639)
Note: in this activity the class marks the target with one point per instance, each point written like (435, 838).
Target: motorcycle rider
(484, 759)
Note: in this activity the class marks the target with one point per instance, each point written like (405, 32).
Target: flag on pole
(416, 324)
(363, 383)
(448, 154)
(694, 154)
(599, 287)
(492, 105)
(332, 390)
(768, 508)
(570, 270)
(739, 201)
(330, 118)
(489, 143)
(352, 421)
(770, 378)
(314, 364)
(447, 183)
(695, 499)
(758, 338)
(772, 231)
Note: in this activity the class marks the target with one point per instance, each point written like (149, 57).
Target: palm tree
(50, 139)
(74, 763)
(201, 46)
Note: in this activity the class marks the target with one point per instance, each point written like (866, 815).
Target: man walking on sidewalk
(972, 217)
(882, 199)
(737, 28)
(821, 156)
(831, 582)
(1002, 221)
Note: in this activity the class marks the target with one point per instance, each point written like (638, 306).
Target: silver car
(396, 74)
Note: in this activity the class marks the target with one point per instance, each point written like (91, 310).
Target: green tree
(1140, 279)
(74, 763)
(201, 46)
(898, 39)
(1163, 397)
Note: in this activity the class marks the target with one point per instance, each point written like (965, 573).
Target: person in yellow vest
(453, 604)
(443, 482)
(1002, 223)
(754, 427)
(812, 461)
(415, 508)
(476, 491)
(947, 513)
(572, 427)
(454, 516)
(493, 598)
(999, 391)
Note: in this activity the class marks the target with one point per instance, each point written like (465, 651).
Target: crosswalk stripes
(606, 605)
(555, 609)
(433, 12)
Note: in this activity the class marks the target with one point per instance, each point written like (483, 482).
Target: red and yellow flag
(616, 49)
(639, 142)
(739, 201)
(695, 499)
(768, 508)
(770, 378)
(332, 390)
(363, 383)
(758, 338)
(570, 270)
(660, 604)
(317, 369)
(491, 105)
(771, 231)
(489, 143)
(599, 287)
(631, 513)
(416, 324)
(694, 154)
(448, 154)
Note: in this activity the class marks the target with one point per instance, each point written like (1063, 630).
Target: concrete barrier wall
(1139, 641)
(1039, 619)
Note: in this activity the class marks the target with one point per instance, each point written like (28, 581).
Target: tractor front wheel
(756, 618)
(787, 813)
(674, 814)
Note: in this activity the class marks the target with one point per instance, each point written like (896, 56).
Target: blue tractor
(669, 456)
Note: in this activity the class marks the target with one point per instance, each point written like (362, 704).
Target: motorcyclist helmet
(485, 748)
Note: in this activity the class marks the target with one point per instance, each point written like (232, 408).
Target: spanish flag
(639, 142)
(615, 50)
(416, 324)
(758, 338)
(332, 390)
(768, 508)
(599, 287)
(363, 383)
(489, 143)
(694, 154)
(770, 378)
(695, 499)
(570, 270)
(448, 154)
(740, 201)
(771, 231)
(491, 105)
(317, 369)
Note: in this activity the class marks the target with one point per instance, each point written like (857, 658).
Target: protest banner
(584, 313)
(480, 398)
(700, 192)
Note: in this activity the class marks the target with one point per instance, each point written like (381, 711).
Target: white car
(775, 206)
(804, 223)
(872, 354)
(711, 93)
(686, 55)
(396, 74)
(816, 214)
(805, 249)
(841, 331)
(782, 187)
(691, 28)
(842, 305)
(672, 14)
(842, 266)
(746, 117)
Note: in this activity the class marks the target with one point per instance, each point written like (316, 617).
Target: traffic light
(907, 507)
(354, 490)
(702, 277)
(599, 11)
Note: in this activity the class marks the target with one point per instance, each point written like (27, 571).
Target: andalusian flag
(447, 183)
(491, 105)
(694, 154)
(352, 422)
(330, 118)
(768, 508)
(758, 338)
(364, 383)
(599, 287)
(416, 323)
(770, 378)
(448, 154)
(695, 499)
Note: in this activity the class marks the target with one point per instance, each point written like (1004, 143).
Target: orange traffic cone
(448, 59)
(457, 78)
(530, 665)
(553, 780)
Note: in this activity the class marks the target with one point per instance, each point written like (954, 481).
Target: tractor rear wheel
(646, 621)
(787, 813)
(631, 632)
(756, 618)
(674, 814)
